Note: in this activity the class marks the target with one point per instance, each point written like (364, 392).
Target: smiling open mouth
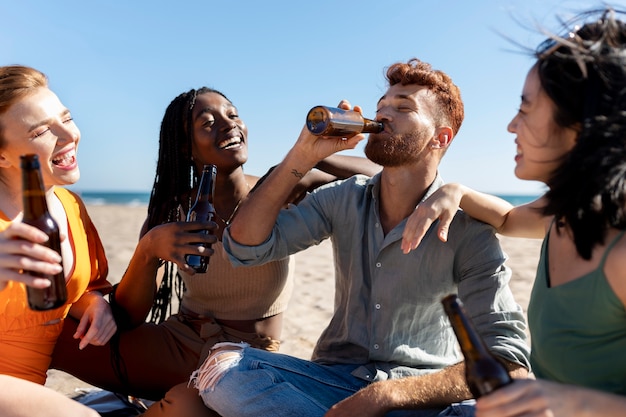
(230, 143)
(66, 159)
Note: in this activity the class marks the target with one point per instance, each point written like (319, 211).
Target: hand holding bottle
(338, 121)
(22, 247)
(202, 210)
(310, 148)
(256, 216)
(483, 371)
(543, 398)
(36, 213)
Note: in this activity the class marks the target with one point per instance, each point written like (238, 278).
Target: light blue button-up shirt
(388, 314)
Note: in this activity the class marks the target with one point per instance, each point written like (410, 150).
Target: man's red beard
(393, 150)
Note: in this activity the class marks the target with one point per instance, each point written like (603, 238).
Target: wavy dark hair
(583, 72)
(176, 177)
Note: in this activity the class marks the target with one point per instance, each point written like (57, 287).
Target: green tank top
(578, 329)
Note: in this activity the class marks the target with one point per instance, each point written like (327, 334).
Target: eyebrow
(396, 97)
(211, 110)
(65, 112)
(202, 112)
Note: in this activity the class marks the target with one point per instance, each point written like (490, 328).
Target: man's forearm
(256, 216)
(429, 391)
(438, 389)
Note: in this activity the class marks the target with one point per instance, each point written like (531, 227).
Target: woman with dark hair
(224, 304)
(570, 134)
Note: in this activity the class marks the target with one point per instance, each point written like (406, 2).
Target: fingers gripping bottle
(36, 214)
(333, 121)
(202, 210)
(483, 371)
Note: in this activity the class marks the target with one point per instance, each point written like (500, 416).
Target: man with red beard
(388, 345)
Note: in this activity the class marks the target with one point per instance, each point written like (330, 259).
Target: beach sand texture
(312, 302)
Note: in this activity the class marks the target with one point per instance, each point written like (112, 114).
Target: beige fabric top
(243, 293)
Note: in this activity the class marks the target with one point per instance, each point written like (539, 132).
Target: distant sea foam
(142, 198)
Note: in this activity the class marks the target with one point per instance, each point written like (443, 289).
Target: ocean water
(142, 198)
(125, 198)
(516, 200)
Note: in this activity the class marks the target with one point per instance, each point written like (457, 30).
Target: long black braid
(175, 178)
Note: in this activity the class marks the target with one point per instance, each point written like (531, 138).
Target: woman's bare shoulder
(252, 179)
(615, 268)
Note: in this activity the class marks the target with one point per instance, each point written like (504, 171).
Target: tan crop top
(242, 293)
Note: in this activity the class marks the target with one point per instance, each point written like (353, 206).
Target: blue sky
(117, 64)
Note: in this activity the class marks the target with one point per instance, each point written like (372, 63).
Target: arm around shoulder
(517, 221)
(525, 220)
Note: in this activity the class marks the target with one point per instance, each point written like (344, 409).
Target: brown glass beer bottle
(483, 371)
(203, 210)
(36, 214)
(332, 121)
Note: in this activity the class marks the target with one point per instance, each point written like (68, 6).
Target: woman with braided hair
(570, 134)
(224, 304)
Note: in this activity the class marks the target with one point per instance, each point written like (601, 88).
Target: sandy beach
(312, 301)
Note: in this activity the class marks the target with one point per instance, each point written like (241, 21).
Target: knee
(223, 357)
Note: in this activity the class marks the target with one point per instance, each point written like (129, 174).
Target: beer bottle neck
(372, 126)
(470, 341)
(207, 185)
(472, 345)
(34, 194)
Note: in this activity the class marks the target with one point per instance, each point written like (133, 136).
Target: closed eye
(43, 132)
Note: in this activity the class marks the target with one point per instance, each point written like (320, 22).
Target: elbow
(243, 235)
(501, 228)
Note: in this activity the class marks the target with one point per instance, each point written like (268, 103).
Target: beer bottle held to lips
(333, 121)
(202, 210)
(483, 371)
(36, 214)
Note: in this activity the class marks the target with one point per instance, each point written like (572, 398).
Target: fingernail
(42, 282)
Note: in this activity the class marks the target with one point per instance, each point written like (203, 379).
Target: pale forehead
(532, 89)
(412, 95)
(408, 91)
(41, 104)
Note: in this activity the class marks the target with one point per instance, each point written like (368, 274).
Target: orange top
(27, 337)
